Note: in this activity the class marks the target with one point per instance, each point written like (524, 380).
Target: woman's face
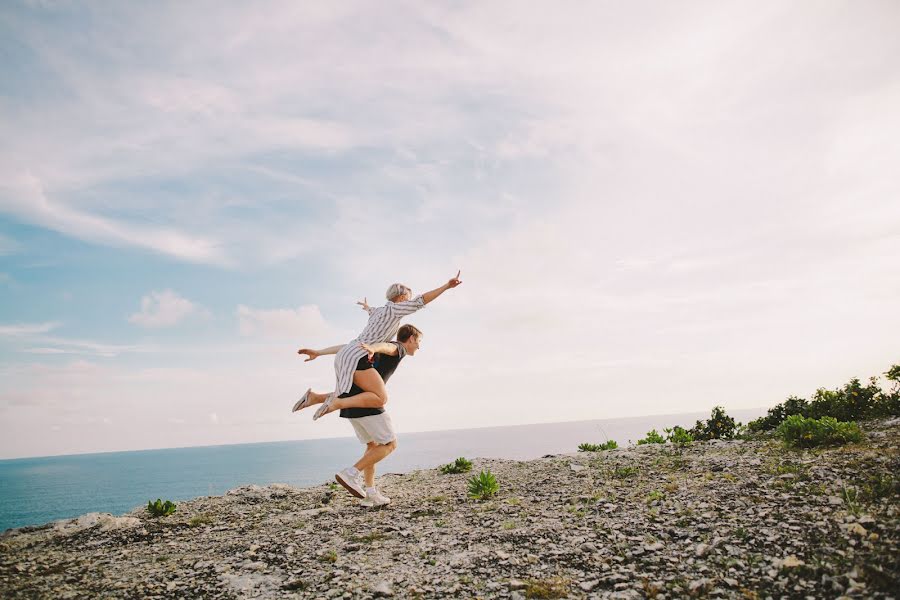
(407, 295)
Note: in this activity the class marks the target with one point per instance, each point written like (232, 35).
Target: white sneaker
(375, 498)
(351, 483)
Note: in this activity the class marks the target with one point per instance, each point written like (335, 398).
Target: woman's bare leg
(373, 396)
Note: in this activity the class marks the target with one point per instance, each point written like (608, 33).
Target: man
(373, 426)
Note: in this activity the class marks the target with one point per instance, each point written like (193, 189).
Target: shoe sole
(301, 403)
(320, 412)
(347, 486)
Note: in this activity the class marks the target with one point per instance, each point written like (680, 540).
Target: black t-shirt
(385, 364)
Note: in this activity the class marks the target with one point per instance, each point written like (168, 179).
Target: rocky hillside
(737, 519)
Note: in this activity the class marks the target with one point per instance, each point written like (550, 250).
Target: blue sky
(656, 209)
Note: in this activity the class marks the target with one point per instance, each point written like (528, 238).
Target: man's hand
(455, 281)
(368, 349)
(365, 305)
(312, 354)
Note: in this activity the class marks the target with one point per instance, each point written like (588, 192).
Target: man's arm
(380, 348)
(430, 296)
(312, 354)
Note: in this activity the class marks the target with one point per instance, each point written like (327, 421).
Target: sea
(34, 491)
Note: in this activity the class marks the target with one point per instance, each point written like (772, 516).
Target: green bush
(778, 413)
(483, 486)
(719, 426)
(853, 402)
(460, 465)
(608, 445)
(653, 437)
(805, 432)
(679, 436)
(160, 508)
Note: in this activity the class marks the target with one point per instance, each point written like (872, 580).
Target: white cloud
(304, 324)
(164, 309)
(24, 197)
(27, 329)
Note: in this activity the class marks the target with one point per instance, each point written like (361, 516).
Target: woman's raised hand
(455, 281)
(312, 354)
(365, 305)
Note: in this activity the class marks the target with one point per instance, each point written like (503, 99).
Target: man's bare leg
(374, 453)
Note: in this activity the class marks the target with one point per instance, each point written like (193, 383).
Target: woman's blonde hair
(397, 289)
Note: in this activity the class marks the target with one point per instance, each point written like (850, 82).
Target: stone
(383, 589)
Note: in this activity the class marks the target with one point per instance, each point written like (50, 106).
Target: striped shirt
(384, 322)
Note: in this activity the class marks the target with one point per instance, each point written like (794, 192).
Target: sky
(656, 208)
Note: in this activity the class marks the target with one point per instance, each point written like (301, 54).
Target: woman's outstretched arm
(433, 294)
(313, 354)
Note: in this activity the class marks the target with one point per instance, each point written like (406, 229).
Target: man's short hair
(395, 290)
(408, 331)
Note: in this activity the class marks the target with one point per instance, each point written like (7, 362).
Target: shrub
(160, 508)
(460, 465)
(483, 486)
(653, 437)
(778, 413)
(853, 402)
(609, 445)
(719, 426)
(679, 436)
(806, 432)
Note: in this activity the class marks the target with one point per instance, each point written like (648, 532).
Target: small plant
(653, 437)
(805, 432)
(879, 485)
(368, 538)
(483, 486)
(552, 587)
(655, 496)
(160, 508)
(199, 520)
(850, 496)
(329, 556)
(460, 465)
(609, 445)
(625, 472)
(679, 436)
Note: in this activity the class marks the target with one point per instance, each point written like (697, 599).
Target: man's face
(412, 344)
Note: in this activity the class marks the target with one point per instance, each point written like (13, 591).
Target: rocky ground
(736, 519)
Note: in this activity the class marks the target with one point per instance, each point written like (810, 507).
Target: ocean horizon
(37, 490)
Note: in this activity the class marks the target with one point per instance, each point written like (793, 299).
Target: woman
(349, 369)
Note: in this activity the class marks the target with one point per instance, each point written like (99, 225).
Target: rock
(790, 562)
(577, 468)
(587, 586)
(383, 589)
(515, 584)
(701, 549)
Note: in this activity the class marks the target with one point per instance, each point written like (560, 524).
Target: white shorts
(374, 428)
